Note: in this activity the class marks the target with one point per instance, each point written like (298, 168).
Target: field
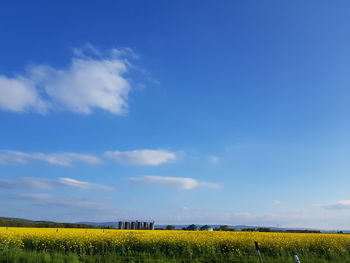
(98, 245)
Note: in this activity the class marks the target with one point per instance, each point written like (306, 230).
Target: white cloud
(177, 182)
(142, 157)
(277, 202)
(90, 82)
(19, 94)
(63, 159)
(137, 157)
(57, 201)
(82, 185)
(81, 52)
(341, 204)
(28, 183)
(214, 159)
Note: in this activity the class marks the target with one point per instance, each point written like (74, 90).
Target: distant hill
(101, 224)
(177, 227)
(236, 227)
(19, 222)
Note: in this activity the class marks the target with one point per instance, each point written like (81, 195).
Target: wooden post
(296, 259)
(258, 253)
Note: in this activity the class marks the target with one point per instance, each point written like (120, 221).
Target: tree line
(15, 222)
(220, 228)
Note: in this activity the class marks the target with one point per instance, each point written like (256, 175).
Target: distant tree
(205, 227)
(170, 227)
(264, 229)
(192, 227)
(248, 229)
(223, 228)
(15, 222)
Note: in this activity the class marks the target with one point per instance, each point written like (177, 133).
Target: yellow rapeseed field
(95, 241)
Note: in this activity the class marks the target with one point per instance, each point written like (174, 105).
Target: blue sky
(180, 112)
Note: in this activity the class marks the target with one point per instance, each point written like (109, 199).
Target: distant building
(136, 225)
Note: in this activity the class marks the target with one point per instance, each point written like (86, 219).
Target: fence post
(296, 259)
(258, 253)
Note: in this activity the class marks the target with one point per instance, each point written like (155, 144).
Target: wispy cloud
(28, 183)
(177, 182)
(137, 157)
(19, 94)
(214, 159)
(142, 157)
(339, 205)
(63, 159)
(93, 80)
(41, 199)
(277, 202)
(65, 208)
(82, 185)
